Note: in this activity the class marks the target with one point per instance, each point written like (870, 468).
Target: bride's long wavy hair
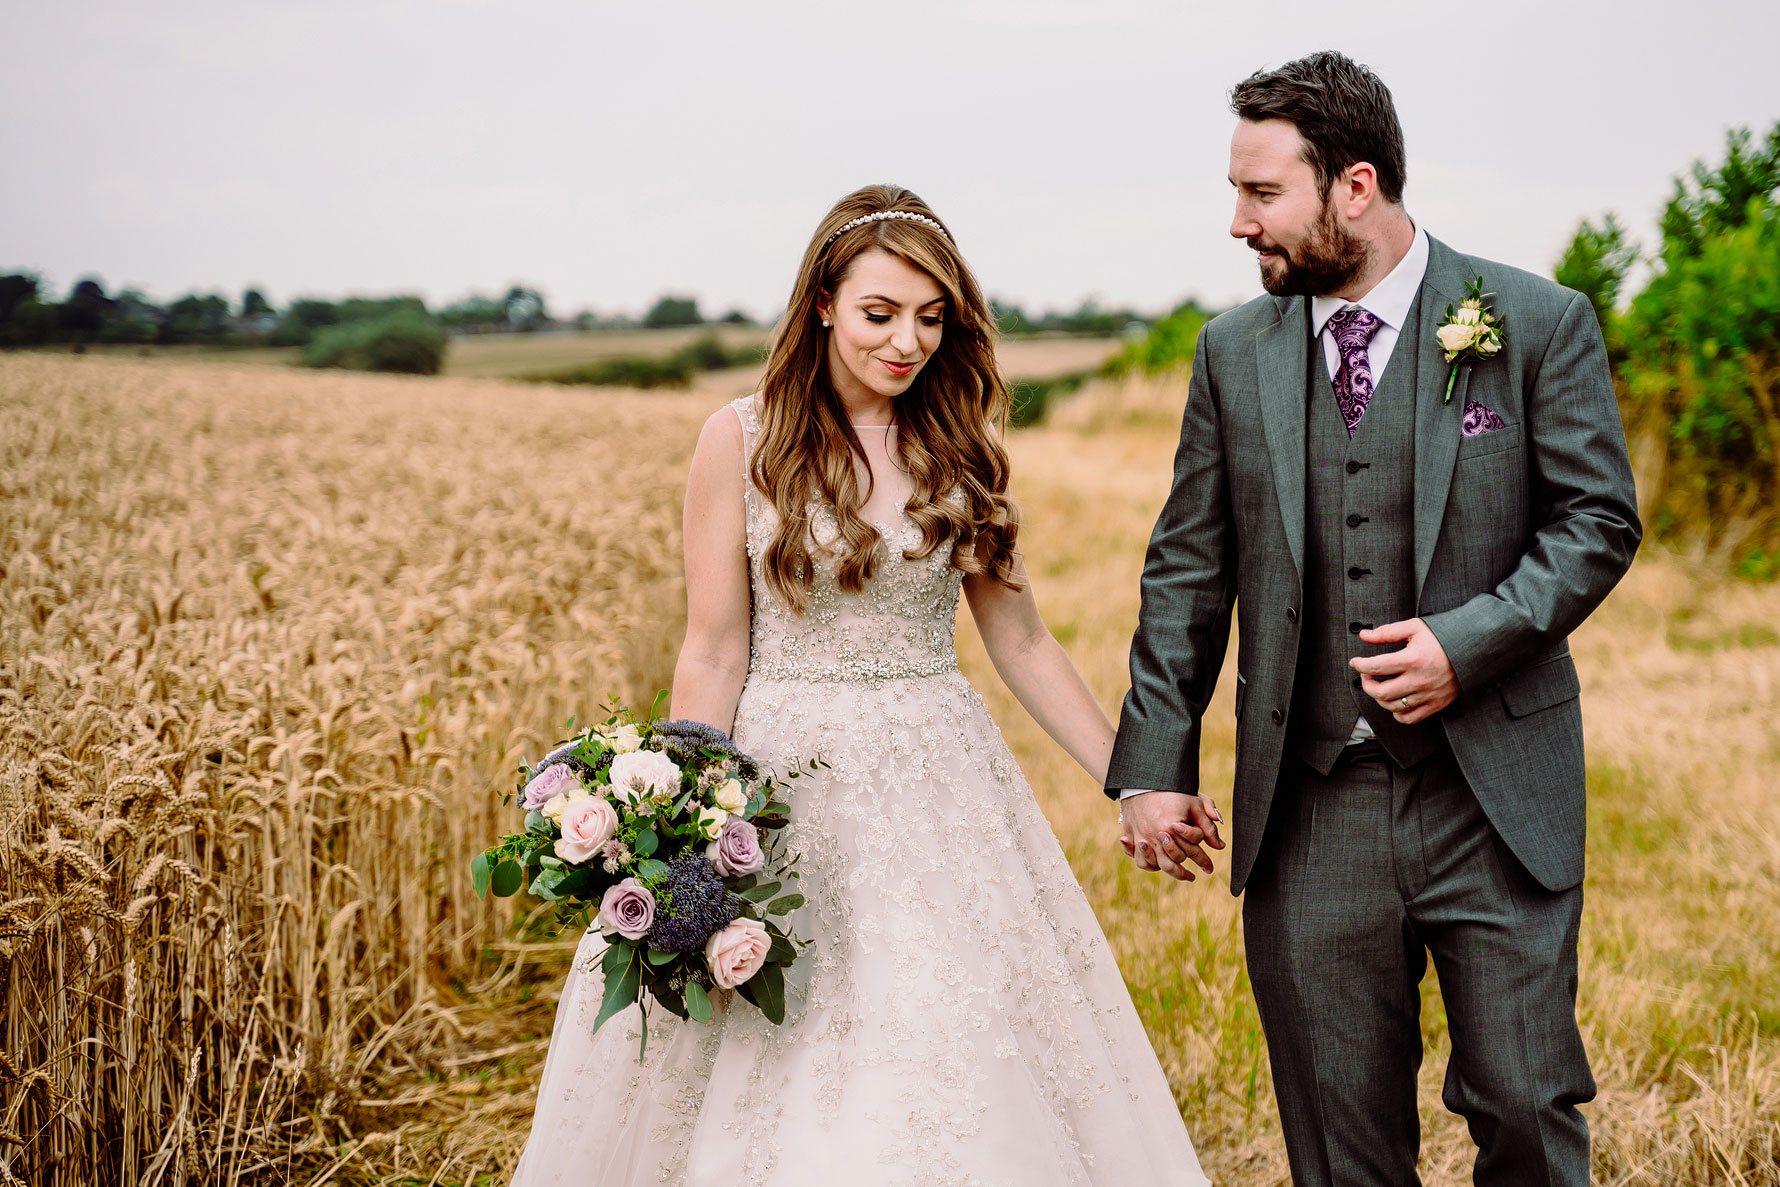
(950, 420)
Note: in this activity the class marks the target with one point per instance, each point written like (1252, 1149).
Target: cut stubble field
(271, 644)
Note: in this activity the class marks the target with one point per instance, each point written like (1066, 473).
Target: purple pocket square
(1481, 419)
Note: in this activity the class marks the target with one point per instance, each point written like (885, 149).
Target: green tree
(1699, 347)
(403, 341)
(673, 311)
(254, 303)
(1595, 265)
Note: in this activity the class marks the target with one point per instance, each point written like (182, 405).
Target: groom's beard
(1329, 260)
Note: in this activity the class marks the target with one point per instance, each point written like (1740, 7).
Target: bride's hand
(1169, 830)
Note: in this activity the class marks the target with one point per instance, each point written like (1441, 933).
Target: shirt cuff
(1127, 792)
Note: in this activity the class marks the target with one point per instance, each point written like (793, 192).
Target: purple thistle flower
(693, 905)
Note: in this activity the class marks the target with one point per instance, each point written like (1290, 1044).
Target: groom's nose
(1244, 225)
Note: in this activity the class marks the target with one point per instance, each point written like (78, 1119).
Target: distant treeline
(1696, 353)
(1087, 320)
(30, 317)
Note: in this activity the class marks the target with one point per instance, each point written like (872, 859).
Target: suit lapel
(1281, 355)
(1437, 421)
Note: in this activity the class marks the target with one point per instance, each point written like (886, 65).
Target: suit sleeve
(1586, 530)
(1183, 625)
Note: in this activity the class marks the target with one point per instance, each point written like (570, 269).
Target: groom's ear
(1356, 189)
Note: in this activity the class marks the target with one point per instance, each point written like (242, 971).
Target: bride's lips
(897, 369)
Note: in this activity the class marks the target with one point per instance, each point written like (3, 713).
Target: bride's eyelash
(880, 318)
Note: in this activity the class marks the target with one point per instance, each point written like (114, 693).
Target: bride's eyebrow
(939, 300)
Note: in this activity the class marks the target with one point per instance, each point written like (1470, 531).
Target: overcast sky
(607, 153)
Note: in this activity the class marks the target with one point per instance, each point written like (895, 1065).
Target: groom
(1405, 551)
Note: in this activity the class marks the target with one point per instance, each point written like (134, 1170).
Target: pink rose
(737, 952)
(552, 781)
(628, 909)
(588, 822)
(736, 851)
(643, 773)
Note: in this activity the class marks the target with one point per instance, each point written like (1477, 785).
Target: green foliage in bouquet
(665, 835)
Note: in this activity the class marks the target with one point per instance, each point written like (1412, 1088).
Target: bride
(958, 1020)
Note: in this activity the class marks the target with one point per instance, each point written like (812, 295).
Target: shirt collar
(1390, 298)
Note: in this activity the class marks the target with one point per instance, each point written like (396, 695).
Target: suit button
(1354, 628)
(1291, 614)
(1353, 467)
(1278, 717)
(1354, 521)
(1355, 573)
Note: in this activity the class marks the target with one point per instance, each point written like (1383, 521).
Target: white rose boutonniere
(1471, 333)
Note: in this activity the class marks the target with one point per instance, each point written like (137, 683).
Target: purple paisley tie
(1353, 329)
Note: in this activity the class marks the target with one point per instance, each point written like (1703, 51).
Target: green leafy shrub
(1697, 352)
(705, 353)
(405, 341)
(1168, 346)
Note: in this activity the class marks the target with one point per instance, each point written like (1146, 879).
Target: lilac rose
(736, 851)
(552, 781)
(628, 909)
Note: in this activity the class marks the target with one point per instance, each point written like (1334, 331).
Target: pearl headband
(886, 215)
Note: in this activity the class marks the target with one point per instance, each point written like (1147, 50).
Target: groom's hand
(1166, 831)
(1414, 683)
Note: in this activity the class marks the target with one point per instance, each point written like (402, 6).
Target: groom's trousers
(1364, 872)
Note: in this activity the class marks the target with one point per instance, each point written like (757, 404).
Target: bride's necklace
(887, 456)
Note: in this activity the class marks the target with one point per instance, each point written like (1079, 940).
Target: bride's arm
(1038, 671)
(714, 657)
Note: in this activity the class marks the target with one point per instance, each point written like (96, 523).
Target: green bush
(1697, 352)
(405, 341)
(1168, 346)
(706, 353)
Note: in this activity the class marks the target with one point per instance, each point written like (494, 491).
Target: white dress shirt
(1389, 301)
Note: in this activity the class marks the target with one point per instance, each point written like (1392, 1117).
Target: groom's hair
(1342, 110)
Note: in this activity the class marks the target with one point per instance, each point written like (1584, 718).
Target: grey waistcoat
(1359, 556)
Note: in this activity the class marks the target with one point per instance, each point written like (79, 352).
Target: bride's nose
(903, 338)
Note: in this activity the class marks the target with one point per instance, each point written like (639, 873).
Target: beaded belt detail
(860, 670)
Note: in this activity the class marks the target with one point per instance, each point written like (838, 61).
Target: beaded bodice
(899, 626)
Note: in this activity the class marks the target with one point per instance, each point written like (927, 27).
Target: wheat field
(271, 643)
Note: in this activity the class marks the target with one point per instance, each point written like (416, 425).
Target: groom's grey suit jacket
(1518, 535)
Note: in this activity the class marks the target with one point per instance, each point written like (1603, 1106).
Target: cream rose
(640, 774)
(1455, 336)
(737, 952)
(710, 821)
(732, 796)
(588, 822)
(1469, 315)
(553, 807)
(624, 739)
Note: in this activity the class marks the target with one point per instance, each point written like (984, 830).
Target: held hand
(1414, 683)
(1166, 831)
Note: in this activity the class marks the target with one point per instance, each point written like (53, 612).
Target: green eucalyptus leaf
(657, 957)
(479, 870)
(759, 894)
(646, 843)
(697, 1004)
(650, 868)
(623, 980)
(784, 905)
(505, 880)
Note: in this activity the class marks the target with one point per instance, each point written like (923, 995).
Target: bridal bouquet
(662, 831)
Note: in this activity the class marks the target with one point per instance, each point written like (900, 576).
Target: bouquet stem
(1450, 380)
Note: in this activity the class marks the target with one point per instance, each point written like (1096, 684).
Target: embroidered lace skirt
(958, 1020)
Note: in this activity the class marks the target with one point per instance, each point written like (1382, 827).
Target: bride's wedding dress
(958, 1021)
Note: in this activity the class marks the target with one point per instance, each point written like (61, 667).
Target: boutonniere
(1470, 333)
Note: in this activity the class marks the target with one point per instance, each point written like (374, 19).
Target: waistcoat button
(1356, 467)
(1354, 628)
(1355, 573)
(1354, 521)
